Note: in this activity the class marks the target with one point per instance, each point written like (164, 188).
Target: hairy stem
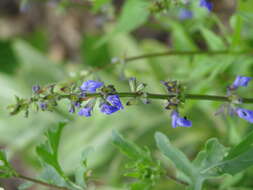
(51, 186)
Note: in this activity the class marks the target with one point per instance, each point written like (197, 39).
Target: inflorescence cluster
(83, 99)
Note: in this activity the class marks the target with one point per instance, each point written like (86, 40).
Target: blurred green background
(46, 42)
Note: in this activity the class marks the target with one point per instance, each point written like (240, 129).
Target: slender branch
(166, 96)
(41, 182)
(175, 53)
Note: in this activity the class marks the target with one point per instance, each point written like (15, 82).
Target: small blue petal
(177, 121)
(115, 101)
(206, 4)
(245, 114)
(185, 14)
(241, 81)
(36, 89)
(86, 111)
(108, 109)
(43, 105)
(91, 86)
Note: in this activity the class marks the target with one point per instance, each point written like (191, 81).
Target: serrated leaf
(175, 155)
(48, 152)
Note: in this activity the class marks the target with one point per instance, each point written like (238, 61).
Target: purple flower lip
(206, 4)
(115, 101)
(241, 81)
(112, 105)
(178, 121)
(185, 14)
(108, 109)
(91, 86)
(86, 111)
(245, 114)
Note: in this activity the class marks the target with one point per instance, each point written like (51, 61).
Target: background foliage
(46, 42)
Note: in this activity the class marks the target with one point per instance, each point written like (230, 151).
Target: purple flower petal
(115, 101)
(245, 114)
(241, 81)
(108, 109)
(206, 4)
(91, 86)
(185, 14)
(177, 121)
(86, 111)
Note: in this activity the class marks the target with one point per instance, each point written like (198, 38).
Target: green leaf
(175, 155)
(239, 163)
(48, 152)
(133, 15)
(214, 42)
(80, 173)
(243, 146)
(211, 156)
(128, 148)
(6, 170)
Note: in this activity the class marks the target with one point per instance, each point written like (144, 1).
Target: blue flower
(86, 111)
(241, 81)
(245, 114)
(115, 101)
(185, 14)
(108, 109)
(206, 4)
(178, 121)
(43, 106)
(112, 105)
(36, 89)
(91, 86)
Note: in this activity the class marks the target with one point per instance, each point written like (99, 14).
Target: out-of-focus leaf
(6, 170)
(239, 163)
(181, 39)
(8, 61)
(134, 13)
(97, 4)
(34, 66)
(94, 56)
(128, 148)
(243, 146)
(214, 42)
(80, 173)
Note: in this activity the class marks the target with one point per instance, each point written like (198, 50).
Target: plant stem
(166, 96)
(175, 53)
(41, 182)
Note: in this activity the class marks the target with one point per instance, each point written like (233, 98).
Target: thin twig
(41, 182)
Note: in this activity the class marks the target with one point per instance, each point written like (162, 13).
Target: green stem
(175, 53)
(166, 96)
(51, 186)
